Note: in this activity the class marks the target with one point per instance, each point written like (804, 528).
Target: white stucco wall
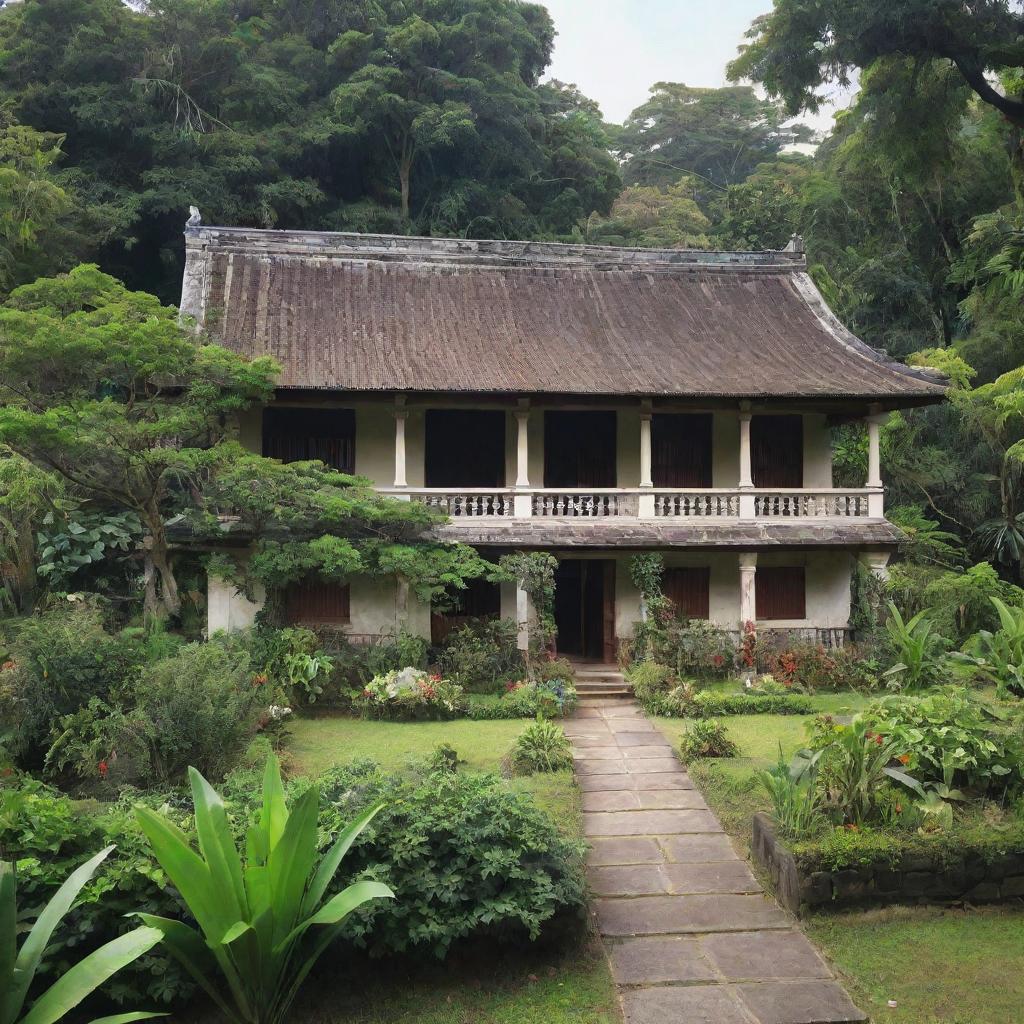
(229, 610)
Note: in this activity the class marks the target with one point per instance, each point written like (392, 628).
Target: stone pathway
(691, 937)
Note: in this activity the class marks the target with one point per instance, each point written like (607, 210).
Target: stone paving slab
(628, 880)
(742, 956)
(599, 781)
(653, 961)
(700, 849)
(686, 915)
(624, 850)
(799, 1002)
(692, 1004)
(690, 937)
(724, 876)
(649, 750)
(648, 823)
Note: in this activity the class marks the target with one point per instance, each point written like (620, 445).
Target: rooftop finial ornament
(194, 217)
(796, 244)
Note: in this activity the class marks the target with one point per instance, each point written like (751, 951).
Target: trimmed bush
(542, 747)
(706, 738)
(685, 701)
(526, 700)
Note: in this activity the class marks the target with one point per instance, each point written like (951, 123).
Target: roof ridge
(427, 249)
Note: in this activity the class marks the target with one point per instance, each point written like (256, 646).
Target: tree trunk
(161, 594)
(404, 171)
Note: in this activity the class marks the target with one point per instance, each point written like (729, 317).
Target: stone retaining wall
(913, 879)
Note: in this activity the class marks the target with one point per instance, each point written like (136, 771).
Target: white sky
(615, 50)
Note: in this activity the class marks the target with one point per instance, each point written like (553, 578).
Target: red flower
(259, 679)
(435, 678)
(7, 665)
(878, 739)
(718, 661)
(103, 768)
(903, 759)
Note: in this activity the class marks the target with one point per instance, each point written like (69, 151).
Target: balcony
(649, 503)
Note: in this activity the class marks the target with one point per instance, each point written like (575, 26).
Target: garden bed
(876, 869)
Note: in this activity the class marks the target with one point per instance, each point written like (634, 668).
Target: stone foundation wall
(913, 879)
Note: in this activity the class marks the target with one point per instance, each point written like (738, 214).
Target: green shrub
(706, 738)
(58, 661)
(542, 747)
(999, 657)
(793, 790)
(650, 680)
(546, 670)
(810, 667)
(464, 854)
(200, 708)
(411, 695)
(355, 665)
(293, 661)
(691, 647)
(524, 699)
(916, 650)
(482, 655)
(951, 736)
(685, 701)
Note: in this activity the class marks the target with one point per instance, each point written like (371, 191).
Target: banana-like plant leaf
(274, 815)
(907, 780)
(188, 948)
(338, 908)
(216, 844)
(127, 1018)
(34, 946)
(8, 941)
(332, 859)
(87, 975)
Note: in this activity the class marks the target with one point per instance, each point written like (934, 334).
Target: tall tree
(719, 135)
(801, 45)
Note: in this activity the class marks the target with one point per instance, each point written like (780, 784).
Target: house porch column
(522, 619)
(645, 503)
(748, 576)
(401, 415)
(876, 503)
(522, 504)
(746, 481)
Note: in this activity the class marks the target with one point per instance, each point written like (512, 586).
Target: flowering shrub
(411, 694)
(706, 738)
(809, 667)
(550, 698)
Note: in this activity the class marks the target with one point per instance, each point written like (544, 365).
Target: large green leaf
(291, 862)
(274, 815)
(217, 846)
(127, 1018)
(87, 975)
(34, 946)
(189, 949)
(339, 907)
(188, 871)
(8, 945)
(332, 860)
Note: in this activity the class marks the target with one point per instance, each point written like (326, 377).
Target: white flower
(278, 711)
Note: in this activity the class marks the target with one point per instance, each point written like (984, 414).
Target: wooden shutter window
(689, 590)
(317, 603)
(777, 451)
(299, 435)
(780, 593)
(681, 450)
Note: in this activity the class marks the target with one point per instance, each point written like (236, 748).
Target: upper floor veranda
(488, 463)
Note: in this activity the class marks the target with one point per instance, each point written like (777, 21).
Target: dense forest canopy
(433, 116)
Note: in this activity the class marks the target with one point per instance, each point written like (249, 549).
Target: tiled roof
(387, 314)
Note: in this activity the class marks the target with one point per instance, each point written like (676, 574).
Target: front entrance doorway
(585, 608)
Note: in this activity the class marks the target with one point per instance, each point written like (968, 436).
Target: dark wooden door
(777, 451)
(681, 450)
(579, 449)
(780, 592)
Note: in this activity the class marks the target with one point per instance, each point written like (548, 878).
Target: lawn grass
(942, 966)
(553, 983)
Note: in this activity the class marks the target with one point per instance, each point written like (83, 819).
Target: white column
(746, 482)
(401, 414)
(876, 562)
(876, 500)
(645, 504)
(522, 504)
(748, 600)
(522, 619)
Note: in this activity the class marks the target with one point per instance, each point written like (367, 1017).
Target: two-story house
(589, 401)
